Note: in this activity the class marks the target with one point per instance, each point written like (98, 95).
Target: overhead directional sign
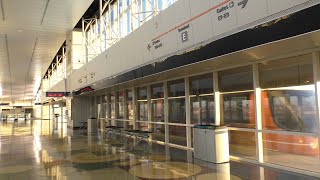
(243, 3)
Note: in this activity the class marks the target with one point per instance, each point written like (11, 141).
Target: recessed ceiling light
(19, 30)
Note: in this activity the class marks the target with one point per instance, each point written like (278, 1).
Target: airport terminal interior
(160, 89)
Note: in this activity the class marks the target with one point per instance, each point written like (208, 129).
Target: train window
(143, 110)
(238, 79)
(157, 110)
(288, 95)
(238, 110)
(202, 99)
(289, 110)
(202, 110)
(177, 113)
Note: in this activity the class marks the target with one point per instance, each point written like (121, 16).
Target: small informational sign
(184, 36)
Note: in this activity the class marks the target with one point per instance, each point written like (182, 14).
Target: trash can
(211, 143)
(92, 125)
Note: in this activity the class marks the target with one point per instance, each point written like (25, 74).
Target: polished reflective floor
(44, 150)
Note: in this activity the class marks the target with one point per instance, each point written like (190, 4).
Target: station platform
(33, 151)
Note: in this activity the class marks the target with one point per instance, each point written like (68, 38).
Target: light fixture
(20, 30)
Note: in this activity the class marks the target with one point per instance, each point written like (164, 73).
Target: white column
(116, 108)
(135, 109)
(188, 113)
(257, 103)
(108, 109)
(149, 106)
(125, 113)
(217, 97)
(316, 75)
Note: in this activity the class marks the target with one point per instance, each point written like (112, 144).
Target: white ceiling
(31, 33)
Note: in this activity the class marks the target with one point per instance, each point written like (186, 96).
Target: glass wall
(177, 112)
(238, 110)
(237, 94)
(112, 107)
(142, 121)
(120, 108)
(289, 131)
(202, 99)
(129, 106)
(157, 111)
(289, 105)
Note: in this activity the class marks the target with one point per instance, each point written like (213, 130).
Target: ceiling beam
(9, 68)
(2, 10)
(45, 11)
(25, 85)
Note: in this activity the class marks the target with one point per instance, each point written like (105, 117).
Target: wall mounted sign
(57, 94)
(84, 90)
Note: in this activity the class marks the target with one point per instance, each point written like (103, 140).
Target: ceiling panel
(35, 30)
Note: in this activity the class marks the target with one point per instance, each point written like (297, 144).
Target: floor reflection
(35, 150)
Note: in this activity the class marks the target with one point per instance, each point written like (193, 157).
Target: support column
(135, 109)
(125, 110)
(217, 101)
(166, 111)
(257, 104)
(108, 109)
(188, 113)
(149, 107)
(116, 108)
(316, 76)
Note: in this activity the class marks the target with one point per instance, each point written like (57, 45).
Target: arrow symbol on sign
(243, 3)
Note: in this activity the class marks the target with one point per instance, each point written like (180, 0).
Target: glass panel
(120, 105)
(142, 93)
(130, 110)
(157, 110)
(202, 110)
(176, 88)
(104, 98)
(157, 91)
(143, 111)
(288, 72)
(177, 113)
(129, 95)
(98, 99)
(158, 132)
(237, 79)
(290, 110)
(142, 126)
(239, 110)
(178, 135)
(242, 144)
(201, 84)
(291, 150)
(291, 104)
(120, 124)
(113, 110)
